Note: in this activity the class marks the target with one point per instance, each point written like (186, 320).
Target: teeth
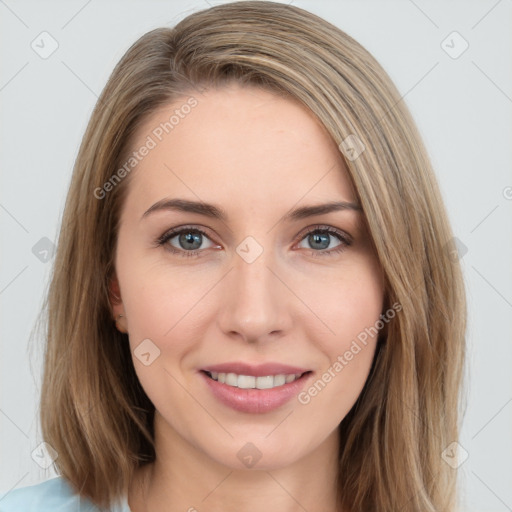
(265, 382)
(279, 380)
(231, 379)
(251, 382)
(246, 381)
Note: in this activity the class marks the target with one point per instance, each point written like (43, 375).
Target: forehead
(237, 144)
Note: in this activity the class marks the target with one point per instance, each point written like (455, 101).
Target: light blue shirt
(54, 495)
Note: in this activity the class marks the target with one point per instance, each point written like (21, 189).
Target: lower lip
(256, 401)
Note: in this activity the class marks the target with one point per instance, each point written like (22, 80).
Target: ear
(116, 303)
(114, 295)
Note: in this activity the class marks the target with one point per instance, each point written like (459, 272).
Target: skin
(257, 156)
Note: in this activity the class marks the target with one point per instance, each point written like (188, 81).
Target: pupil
(322, 239)
(190, 238)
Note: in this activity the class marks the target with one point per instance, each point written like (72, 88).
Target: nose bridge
(254, 304)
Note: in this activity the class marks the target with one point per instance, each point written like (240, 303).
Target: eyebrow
(215, 212)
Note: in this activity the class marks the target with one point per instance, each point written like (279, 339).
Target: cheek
(158, 307)
(156, 295)
(350, 303)
(351, 309)
(167, 306)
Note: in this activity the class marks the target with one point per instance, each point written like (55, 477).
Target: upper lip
(258, 370)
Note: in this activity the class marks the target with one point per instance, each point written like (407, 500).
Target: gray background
(463, 109)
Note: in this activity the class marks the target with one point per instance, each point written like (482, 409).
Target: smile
(252, 382)
(269, 387)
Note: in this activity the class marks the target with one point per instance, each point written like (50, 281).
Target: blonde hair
(94, 412)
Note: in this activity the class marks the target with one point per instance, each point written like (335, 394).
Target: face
(255, 290)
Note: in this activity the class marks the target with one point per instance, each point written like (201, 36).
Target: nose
(256, 302)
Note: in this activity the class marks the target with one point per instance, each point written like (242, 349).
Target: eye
(320, 238)
(188, 241)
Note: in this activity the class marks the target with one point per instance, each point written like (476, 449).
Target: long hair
(94, 412)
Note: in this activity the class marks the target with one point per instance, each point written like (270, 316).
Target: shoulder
(54, 495)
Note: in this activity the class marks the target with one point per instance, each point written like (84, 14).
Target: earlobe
(121, 323)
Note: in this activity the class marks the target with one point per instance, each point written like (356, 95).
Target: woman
(253, 298)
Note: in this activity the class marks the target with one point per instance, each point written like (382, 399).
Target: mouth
(258, 390)
(253, 382)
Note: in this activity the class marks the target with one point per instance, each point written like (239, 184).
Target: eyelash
(345, 240)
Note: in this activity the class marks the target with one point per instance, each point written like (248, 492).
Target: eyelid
(345, 238)
(177, 230)
(316, 227)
